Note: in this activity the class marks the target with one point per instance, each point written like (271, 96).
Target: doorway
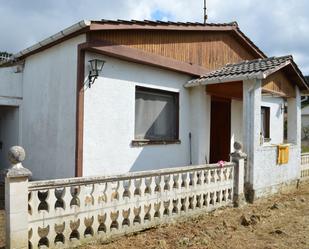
(220, 129)
(9, 132)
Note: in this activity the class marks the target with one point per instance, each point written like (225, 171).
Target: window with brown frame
(156, 116)
(265, 122)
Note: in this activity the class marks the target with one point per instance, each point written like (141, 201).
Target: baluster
(147, 216)
(109, 201)
(161, 183)
(177, 182)
(142, 186)
(161, 209)
(152, 211)
(170, 182)
(227, 173)
(215, 198)
(194, 179)
(33, 235)
(99, 194)
(120, 189)
(152, 185)
(157, 213)
(108, 192)
(202, 177)
(221, 174)
(83, 197)
(137, 186)
(213, 176)
(51, 202)
(33, 203)
(187, 180)
(131, 188)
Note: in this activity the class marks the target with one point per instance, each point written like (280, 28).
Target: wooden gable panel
(208, 49)
(279, 84)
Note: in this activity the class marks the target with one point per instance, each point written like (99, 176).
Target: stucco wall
(109, 120)
(265, 174)
(10, 83)
(236, 122)
(304, 118)
(49, 110)
(268, 173)
(200, 104)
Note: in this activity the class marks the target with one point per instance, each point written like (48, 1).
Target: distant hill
(307, 78)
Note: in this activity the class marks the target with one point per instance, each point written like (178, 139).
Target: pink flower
(221, 163)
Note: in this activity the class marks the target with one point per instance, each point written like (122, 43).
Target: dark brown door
(220, 129)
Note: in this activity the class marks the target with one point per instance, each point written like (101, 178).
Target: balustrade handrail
(48, 184)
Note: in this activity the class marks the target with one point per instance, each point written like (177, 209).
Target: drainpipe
(190, 147)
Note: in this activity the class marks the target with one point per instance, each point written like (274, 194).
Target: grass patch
(304, 148)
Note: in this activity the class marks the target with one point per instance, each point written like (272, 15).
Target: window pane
(155, 115)
(265, 121)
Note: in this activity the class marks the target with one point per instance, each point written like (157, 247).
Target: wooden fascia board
(142, 57)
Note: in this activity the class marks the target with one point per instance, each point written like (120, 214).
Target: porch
(258, 102)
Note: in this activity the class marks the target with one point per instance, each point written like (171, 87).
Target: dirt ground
(281, 221)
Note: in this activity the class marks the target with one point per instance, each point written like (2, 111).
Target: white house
(169, 94)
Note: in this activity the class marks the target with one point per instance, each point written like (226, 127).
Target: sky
(277, 27)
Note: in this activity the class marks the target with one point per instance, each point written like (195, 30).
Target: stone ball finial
(237, 146)
(16, 154)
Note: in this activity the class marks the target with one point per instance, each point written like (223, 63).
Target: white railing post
(238, 157)
(16, 200)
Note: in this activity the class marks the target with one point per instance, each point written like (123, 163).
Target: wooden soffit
(230, 90)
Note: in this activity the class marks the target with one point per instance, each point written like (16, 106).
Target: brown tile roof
(160, 23)
(253, 69)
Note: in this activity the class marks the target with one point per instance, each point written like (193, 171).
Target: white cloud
(277, 27)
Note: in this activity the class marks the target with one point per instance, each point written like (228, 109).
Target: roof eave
(200, 82)
(54, 38)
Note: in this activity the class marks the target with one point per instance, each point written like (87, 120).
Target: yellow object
(283, 153)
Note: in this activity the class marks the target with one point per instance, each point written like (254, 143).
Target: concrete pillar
(238, 157)
(252, 96)
(16, 200)
(294, 118)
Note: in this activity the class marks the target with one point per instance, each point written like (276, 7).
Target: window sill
(141, 142)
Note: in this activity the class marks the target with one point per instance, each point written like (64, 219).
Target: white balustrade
(68, 212)
(304, 167)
